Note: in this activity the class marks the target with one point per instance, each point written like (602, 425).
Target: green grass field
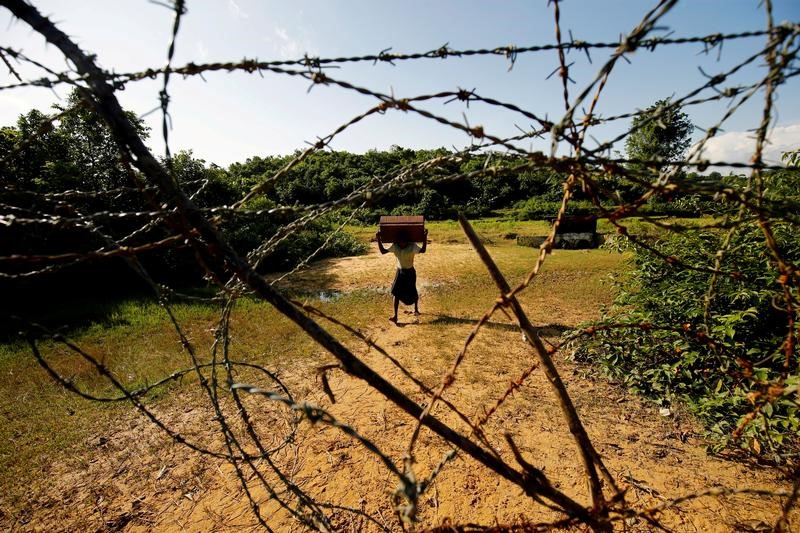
(42, 421)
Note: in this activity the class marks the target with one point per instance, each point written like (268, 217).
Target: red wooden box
(409, 228)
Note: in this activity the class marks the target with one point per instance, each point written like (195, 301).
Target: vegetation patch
(717, 341)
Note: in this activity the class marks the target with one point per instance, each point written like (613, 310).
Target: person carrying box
(404, 287)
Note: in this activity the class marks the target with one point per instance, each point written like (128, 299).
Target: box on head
(405, 228)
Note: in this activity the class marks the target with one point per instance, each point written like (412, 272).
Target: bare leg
(396, 305)
(416, 307)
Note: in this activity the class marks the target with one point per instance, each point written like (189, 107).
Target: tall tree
(77, 151)
(661, 133)
(91, 147)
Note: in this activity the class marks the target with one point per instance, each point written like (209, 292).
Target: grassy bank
(136, 340)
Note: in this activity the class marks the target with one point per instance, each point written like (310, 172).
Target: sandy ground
(137, 479)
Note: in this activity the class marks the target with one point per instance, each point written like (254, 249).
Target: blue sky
(229, 117)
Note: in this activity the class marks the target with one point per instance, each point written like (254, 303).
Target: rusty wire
(171, 207)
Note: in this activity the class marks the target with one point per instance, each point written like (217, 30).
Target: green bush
(542, 208)
(692, 205)
(538, 208)
(301, 244)
(725, 362)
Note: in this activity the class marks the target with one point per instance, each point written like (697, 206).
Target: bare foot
(417, 313)
(393, 319)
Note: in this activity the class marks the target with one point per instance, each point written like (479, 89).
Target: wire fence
(249, 446)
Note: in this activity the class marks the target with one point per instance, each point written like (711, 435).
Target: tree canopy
(661, 133)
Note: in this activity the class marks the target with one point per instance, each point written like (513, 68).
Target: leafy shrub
(723, 356)
(541, 208)
(685, 206)
(538, 208)
(301, 244)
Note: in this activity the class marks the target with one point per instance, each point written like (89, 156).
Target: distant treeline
(66, 191)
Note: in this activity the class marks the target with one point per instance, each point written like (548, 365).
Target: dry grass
(88, 463)
(136, 340)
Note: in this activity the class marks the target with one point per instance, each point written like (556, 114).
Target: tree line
(66, 191)
(58, 172)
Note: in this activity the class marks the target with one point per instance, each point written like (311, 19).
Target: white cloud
(739, 146)
(236, 10)
(286, 47)
(202, 52)
(281, 33)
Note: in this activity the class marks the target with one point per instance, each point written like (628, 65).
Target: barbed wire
(510, 52)
(166, 216)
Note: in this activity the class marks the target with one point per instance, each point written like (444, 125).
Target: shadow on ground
(548, 330)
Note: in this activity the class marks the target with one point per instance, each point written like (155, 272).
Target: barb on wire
(155, 212)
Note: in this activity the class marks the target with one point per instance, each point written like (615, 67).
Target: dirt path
(138, 481)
